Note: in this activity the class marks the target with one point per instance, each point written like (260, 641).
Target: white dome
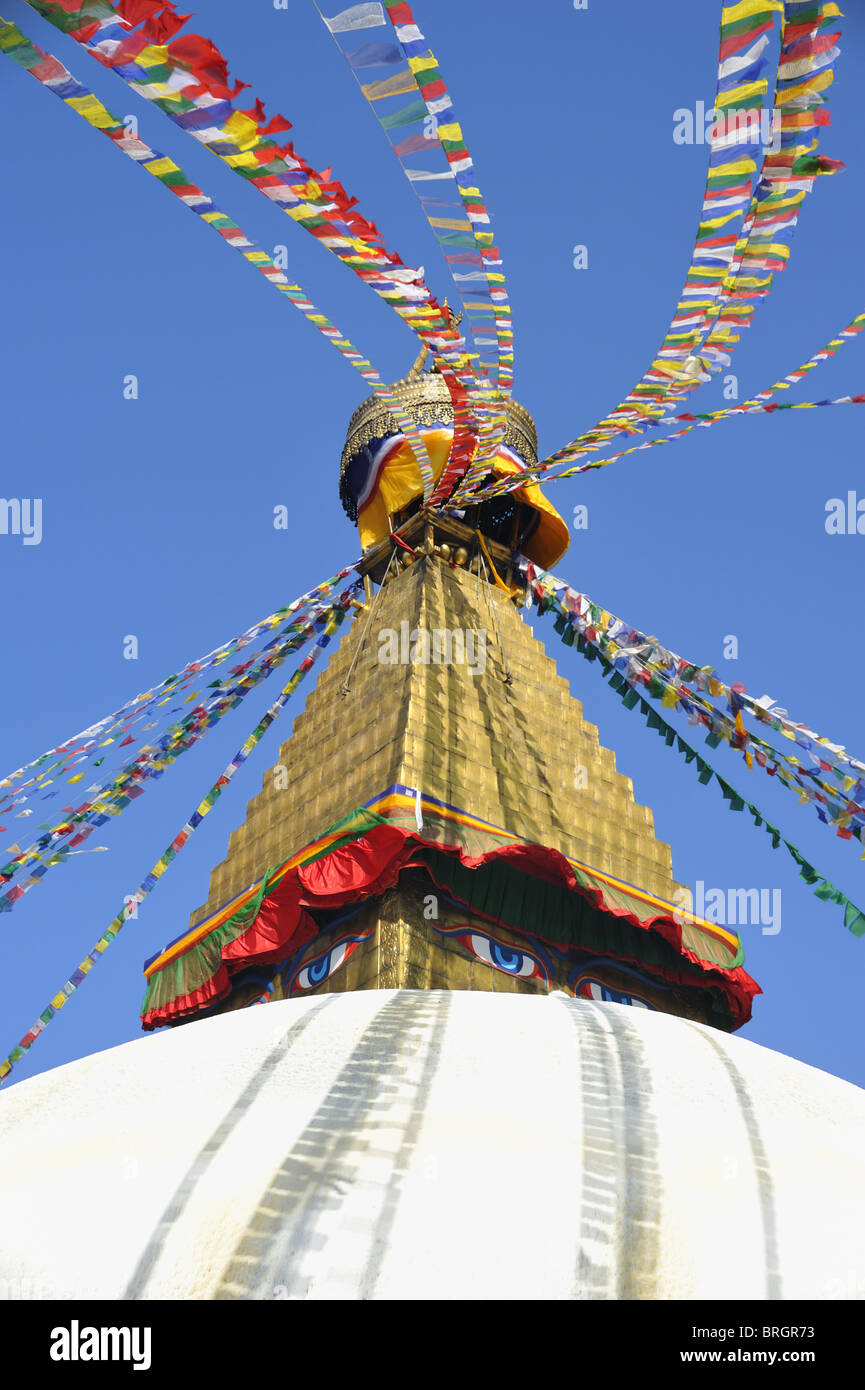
(432, 1144)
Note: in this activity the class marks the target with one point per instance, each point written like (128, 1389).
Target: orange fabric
(400, 483)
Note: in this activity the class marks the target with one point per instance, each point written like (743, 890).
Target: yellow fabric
(499, 582)
(731, 13)
(400, 483)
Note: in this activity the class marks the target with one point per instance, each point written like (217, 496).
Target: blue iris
(319, 969)
(505, 959)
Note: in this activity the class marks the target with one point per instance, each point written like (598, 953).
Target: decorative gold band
(372, 421)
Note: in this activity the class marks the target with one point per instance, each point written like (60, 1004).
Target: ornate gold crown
(424, 394)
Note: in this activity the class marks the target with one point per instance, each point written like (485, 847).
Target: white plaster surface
(425, 1144)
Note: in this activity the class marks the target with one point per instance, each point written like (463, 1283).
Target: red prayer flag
(86, 32)
(200, 56)
(276, 123)
(257, 112)
(732, 45)
(400, 13)
(134, 11)
(163, 27)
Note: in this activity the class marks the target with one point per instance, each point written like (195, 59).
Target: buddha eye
(320, 968)
(501, 956)
(588, 988)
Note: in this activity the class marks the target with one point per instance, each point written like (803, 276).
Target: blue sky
(158, 512)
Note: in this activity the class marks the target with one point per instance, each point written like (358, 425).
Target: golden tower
(442, 816)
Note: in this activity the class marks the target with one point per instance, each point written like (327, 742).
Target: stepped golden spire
(443, 816)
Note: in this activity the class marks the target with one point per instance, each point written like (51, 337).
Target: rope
(345, 688)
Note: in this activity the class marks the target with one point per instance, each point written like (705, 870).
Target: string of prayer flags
(50, 842)
(57, 79)
(847, 334)
(429, 143)
(144, 703)
(697, 422)
(748, 214)
(754, 405)
(790, 166)
(821, 772)
(109, 797)
(76, 979)
(188, 80)
(547, 601)
(509, 484)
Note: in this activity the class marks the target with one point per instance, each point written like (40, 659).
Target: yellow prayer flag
(739, 166)
(753, 282)
(745, 8)
(814, 84)
(154, 91)
(155, 55)
(242, 130)
(450, 224)
(777, 249)
(93, 111)
(720, 221)
(744, 92)
(401, 84)
(161, 166)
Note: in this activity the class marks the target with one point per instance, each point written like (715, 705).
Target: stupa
(443, 817)
(478, 994)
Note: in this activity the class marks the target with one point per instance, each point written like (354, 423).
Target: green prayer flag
(406, 115)
(854, 920)
(828, 893)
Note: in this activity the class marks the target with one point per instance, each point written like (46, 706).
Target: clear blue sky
(158, 512)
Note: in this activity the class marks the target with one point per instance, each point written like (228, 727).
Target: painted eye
(320, 968)
(593, 989)
(500, 956)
